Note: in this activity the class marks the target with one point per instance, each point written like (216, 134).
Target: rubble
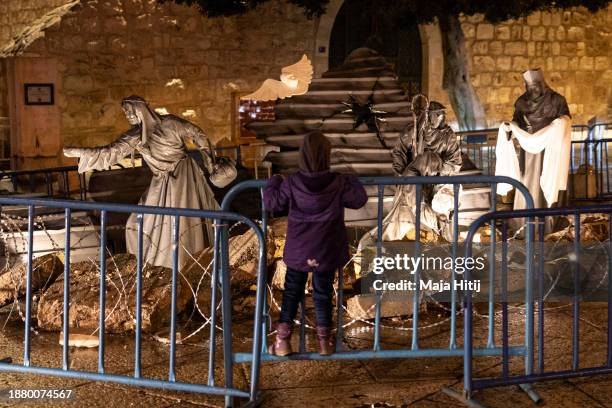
(198, 274)
(244, 251)
(120, 297)
(278, 279)
(395, 304)
(593, 228)
(45, 270)
(79, 340)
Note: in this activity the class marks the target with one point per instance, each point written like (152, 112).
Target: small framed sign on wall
(39, 94)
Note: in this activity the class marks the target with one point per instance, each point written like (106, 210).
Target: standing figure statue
(428, 148)
(177, 179)
(542, 126)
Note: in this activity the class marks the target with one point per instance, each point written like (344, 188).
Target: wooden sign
(39, 94)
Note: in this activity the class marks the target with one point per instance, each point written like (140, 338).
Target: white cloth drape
(554, 139)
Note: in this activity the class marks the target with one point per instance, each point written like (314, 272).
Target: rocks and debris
(120, 297)
(198, 274)
(482, 235)
(45, 270)
(79, 340)
(593, 228)
(194, 282)
(396, 304)
(280, 270)
(246, 304)
(244, 251)
(163, 336)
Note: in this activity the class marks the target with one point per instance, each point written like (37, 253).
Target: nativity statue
(542, 126)
(177, 179)
(428, 147)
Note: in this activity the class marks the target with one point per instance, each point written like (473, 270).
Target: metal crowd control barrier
(222, 273)
(471, 384)
(47, 173)
(262, 318)
(592, 155)
(479, 146)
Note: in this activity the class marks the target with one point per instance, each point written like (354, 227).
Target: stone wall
(171, 55)
(194, 66)
(15, 15)
(573, 48)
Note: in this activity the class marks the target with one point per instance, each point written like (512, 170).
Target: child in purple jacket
(316, 235)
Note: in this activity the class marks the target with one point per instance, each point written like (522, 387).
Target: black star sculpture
(365, 113)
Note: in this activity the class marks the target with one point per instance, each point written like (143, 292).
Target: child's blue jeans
(323, 289)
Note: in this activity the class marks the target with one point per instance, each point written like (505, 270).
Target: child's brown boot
(326, 341)
(282, 345)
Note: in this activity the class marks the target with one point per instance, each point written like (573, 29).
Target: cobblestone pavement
(396, 383)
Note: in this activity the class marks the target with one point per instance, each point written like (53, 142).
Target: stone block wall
(169, 54)
(15, 15)
(193, 66)
(573, 48)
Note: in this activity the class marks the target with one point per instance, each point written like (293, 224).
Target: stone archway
(431, 50)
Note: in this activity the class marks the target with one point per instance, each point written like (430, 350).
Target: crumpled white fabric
(443, 201)
(554, 139)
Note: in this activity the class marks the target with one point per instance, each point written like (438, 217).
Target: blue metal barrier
(592, 155)
(262, 318)
(221, 274)
(471, 384)
(48, 173)
(591, 149)
(479, 146)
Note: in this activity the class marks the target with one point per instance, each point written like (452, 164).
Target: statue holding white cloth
(542, 126)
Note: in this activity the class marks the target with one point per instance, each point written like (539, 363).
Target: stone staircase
(365, 77)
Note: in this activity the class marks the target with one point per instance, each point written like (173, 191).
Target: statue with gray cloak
(428, 147)
(177, 179)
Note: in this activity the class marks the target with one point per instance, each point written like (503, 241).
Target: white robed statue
(542, 126)
(177, 179)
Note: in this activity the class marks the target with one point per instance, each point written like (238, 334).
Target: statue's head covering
(148, 117)
(535, 85)
(435, 106)
(314, 153)
(419, 103)
(436, 114)
(533, 76)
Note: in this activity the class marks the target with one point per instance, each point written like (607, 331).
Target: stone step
(339, 155)
(339, 95)
(324, 110)
(361, 68)
(352, 139)
(332, 125)
(354, 83)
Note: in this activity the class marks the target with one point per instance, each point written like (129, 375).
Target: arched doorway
(359, 23)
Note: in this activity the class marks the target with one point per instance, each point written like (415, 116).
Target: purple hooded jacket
(316, 229)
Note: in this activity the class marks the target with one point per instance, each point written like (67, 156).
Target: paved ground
(396, 383)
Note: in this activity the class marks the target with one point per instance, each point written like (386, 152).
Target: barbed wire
(10, 229)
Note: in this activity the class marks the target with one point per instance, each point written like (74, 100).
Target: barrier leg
(532, 393)
(226, 314)
(461, 397)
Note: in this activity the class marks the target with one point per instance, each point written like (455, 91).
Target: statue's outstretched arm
(101, 158)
